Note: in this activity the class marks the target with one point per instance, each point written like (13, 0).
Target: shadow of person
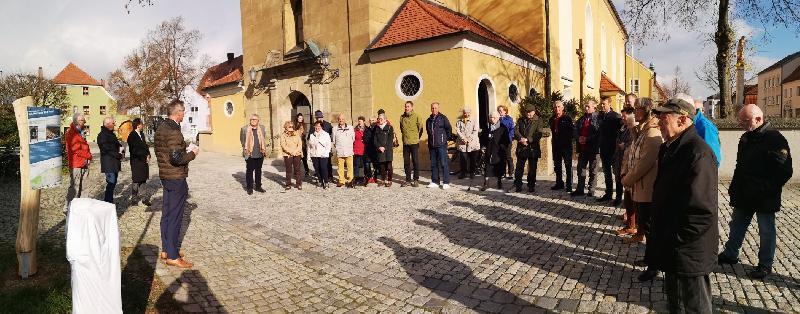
(190, 292)
(277, 178)
(453, 280)
(137, 278)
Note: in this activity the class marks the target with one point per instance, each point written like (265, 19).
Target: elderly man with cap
(684, 230)
(763, 166)
(328, 128)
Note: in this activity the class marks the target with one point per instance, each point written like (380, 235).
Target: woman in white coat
(319, 149)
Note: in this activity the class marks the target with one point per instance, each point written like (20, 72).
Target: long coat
(383, 137)
(685, 233)
(496, 144)
(140, 171)
(532, 131)
(593, 138)
(110, 157)
(763, 166)
(468, 133)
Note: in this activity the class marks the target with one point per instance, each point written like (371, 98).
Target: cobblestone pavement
(413, 249)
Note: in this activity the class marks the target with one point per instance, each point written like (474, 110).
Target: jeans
(411, 162)
(76, 177)
(175, 194)
(345, 162)
(563, 156)
(321, 167)
(253, 171)
(584, 160)
(687, 294)
(292, 165)
(111, 183)
(532, 165)
(469, 162)
(740, 220)
(439, 162)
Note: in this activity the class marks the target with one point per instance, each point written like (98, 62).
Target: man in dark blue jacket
(439, 130)
(610, 123)
(507, 121)
(587, 131)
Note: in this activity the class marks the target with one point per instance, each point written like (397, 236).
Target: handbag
(395, 142)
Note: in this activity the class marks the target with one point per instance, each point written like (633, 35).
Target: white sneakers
(434, 185)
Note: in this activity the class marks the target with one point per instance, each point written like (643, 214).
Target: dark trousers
(740, 220)
(111, 183)
(358, 165)
(608, 174)
(439, 162)
(321, 167)
(136, 187)
(644, 216)
(509, 161)
(687, 294)
(369, 168)
(532, 164)
(253, 170)
(469, 162)
(386, 171)
(563, 156)
(584, 160)
(305, 157)
(411, 161)
(175, 194)
(292, 165)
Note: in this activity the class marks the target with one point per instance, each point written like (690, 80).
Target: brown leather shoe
(388, 184)
(163, 254)
(180, 263)
(626, 231)
(299, 187)
(635, 239)
(338, 184)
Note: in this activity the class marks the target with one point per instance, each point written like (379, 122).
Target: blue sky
(97, 34)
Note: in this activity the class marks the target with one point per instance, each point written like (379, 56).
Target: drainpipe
(548, 83)
(350, 60)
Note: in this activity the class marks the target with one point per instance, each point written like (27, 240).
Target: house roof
(73, 75)
(781, 62)
(661, 93)
(606, 85)
(792, 77)
(418, 20)
(229, 71)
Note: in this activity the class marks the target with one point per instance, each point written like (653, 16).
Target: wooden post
(28, 230)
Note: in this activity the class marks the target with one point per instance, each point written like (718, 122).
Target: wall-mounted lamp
(253, 73)
(324, 60)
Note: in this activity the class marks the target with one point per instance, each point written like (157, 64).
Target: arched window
(566, 54)
(589, 45)
(292, 24)
(513, 93)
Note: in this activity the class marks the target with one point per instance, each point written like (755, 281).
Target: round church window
(409, 85)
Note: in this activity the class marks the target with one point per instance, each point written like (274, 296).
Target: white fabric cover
(93, 252)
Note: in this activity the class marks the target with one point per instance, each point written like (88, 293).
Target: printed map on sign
(45, 147)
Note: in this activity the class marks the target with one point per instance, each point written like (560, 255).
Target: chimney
(41, 73)
(230, 57)
(103, 83)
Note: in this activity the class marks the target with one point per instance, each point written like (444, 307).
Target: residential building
(197, 115)
(641, 80)
(89, 96)
(221, 85)
(791, 94)
(770, 84)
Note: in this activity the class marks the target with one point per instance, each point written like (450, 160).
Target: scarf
(495, 126)
(249, 141)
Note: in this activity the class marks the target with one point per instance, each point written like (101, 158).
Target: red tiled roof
(418, 20)
(223, 73)
(792, 77)
(606, 85)
(73, 75)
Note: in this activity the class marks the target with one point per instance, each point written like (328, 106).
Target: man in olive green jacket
(411, 129)
(528, 133)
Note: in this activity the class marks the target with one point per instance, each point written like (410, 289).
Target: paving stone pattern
(411, 249)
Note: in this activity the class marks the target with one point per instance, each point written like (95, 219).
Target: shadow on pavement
(453, 280)
(191, 293)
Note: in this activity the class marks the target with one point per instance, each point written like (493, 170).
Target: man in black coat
(140, 157)
(528, 133)
(610, 123)
(494, 144)
(684, 230)
(561, 127)
(587, 131)
(763, 166)
(111, 154)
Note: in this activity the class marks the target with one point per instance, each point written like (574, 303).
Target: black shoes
(648, 274)
(604, 198)
(518, 188)
(760, 272)
(531, 189)
(557, 187)
(723, 259)
(576, 193)
(616, 203)
(260, 190)
(249, 191)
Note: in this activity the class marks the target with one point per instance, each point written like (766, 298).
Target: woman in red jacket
(78, 157)
(358, 151)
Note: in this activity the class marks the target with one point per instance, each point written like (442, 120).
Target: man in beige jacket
(640, 175)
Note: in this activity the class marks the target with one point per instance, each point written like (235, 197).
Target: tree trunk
(723, 38)
(548, 82)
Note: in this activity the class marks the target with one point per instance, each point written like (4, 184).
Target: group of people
(659, 163)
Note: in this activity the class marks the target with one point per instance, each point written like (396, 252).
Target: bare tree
(142, 3)
(159, 69)
(44, 92)
(677, 85)
(647, 19)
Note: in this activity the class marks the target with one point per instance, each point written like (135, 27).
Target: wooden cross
(581, 66)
